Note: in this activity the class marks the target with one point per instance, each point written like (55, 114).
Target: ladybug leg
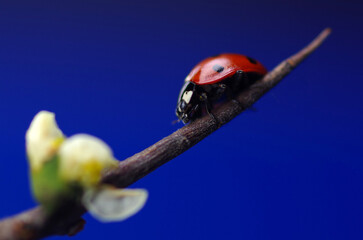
(241, 80)
(236, 102)
(221, 89)
(244, 81)
(230, 96)
(208, 106)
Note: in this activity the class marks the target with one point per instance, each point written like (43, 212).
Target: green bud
(43, 139)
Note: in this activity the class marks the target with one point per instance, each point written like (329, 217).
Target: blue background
(291, 170)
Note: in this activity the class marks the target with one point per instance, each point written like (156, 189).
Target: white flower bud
(83, 158)
(42, 139)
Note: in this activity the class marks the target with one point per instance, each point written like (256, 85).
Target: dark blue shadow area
(291, 170)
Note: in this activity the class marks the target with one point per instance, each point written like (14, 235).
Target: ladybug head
(188, 102)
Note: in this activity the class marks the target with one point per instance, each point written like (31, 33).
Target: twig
(36, 224)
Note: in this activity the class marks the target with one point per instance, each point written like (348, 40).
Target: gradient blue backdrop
(291, 170)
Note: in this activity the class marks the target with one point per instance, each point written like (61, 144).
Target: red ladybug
(213, 78)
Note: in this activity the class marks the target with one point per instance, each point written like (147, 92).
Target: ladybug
(216, 77)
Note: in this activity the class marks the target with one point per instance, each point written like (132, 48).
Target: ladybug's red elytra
(213, 78)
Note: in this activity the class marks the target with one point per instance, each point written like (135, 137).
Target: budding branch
(36, 224)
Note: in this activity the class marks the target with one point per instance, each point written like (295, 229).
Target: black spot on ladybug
(253, 61)
(218, 68)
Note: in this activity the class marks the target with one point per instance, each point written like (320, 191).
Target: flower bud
(83, 158)
(43, 139)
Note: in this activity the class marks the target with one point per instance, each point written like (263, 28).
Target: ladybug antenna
(175, 121)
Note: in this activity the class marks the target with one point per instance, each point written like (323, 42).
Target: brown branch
(36, 224)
